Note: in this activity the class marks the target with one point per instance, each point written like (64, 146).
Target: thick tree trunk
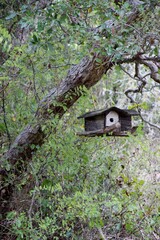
(87, 73)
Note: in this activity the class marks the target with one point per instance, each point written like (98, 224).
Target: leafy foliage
(79, 188)
(76, 186)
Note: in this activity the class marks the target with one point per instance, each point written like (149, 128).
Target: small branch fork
(154, 67)
(141, 80)
(153, 64)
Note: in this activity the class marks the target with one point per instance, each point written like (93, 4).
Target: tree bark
(85, 74)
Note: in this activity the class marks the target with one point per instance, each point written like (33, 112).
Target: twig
(31, 206)
(155, 235)
(123, 69)
(141, 80)
(3, 87)
(151, 124)
(63, 29)
(4, 113)
(34, 82)
(101, 234)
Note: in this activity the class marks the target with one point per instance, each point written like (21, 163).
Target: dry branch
(154, 69)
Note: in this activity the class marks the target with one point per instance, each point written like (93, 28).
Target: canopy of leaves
(72, 187)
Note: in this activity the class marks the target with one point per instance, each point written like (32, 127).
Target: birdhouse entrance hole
(111, 118)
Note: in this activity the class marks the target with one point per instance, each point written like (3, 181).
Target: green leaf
(141, 182)
(1, 39)
(12, 15)
(11, 215)
(2, 127)
(98, 60)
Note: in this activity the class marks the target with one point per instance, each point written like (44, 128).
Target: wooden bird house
(111, 122)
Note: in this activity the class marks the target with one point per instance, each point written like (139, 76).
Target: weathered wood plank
(94, 123)
(125, 123)
(112, 132)
(114, 128)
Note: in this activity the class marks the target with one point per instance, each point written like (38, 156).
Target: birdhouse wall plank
(94, 123)
(125, 123)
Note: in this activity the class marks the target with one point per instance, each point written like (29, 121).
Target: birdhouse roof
(125, 112)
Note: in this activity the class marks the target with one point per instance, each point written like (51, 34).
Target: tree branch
(154, 69)
(153, 63)
(85, 74)
(149, 123)
(4, 112)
